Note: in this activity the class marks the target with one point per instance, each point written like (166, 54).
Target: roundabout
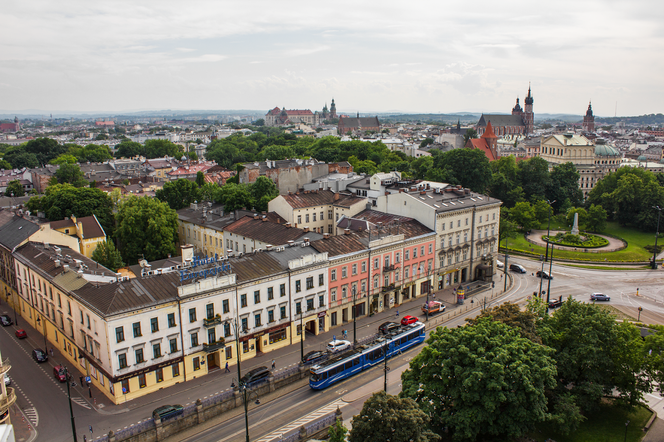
(613, 244)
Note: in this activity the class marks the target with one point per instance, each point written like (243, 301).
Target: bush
(585, 241)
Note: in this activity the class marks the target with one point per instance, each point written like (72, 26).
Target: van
(517, 268)
(254, 376)
(433, 307)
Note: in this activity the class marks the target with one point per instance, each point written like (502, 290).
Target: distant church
(285, 117)
(589, 120)
(10, 127)
(522, 121)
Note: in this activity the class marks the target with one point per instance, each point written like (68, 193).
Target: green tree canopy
(389, 418)
(596, 218)
(70, 174)
(200, 178)
(235, 196)
(583, 216)
(45, 149)
(564, 186)
(468, 167)
(481, 382)
(64, 200)
(19, 158)
(523, 214)
(107, 255)
(263, 190)
(14, 188)
(525, 321)
(128, 149)
(533, 177)
(146, 227)
(65, 159)
(179, 193)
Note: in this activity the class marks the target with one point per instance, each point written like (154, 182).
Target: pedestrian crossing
(32, 415)
(81, 402)
(321, 412)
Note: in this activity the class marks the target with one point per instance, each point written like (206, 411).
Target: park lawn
(605, 425)
(633, 253)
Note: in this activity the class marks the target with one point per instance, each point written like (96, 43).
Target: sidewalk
(218, 380)
(23, 429)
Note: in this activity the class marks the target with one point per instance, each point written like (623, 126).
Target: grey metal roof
(15, 230)
(500, 120)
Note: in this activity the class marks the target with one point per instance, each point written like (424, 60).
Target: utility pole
(548, 230)
(654, 255)
(354, 319)
(548, 289)
(71, 411)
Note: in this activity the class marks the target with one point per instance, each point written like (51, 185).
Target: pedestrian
(80, 380)
(397, 313)
(51, 351)
(90, 391)
(274, 364)
(228, 370)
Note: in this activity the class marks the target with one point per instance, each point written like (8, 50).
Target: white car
(337, 346)
(500, 264)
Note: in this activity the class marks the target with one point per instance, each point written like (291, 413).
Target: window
(244, 323)
(313, 217)
(321, 279)
(154, 325)
(138, 353)
(298, 308)
(197, 363)
(224, 306)
(212, 336)
(333, 294)
(299, 219)
(137, 329)
(451, 224)
(159, 374)
(407, 255)
(336, 217)
(364, 266)
(173, 343)
(344, 292)
(156, 350)
(282, 290)
(270, 293)
(387, 261)
(321, 301)
(298, 286)
(494, 216)
(192, 315)
(270, 316)
(344, 272)
(176, 369)
(376, 263)
(88, 318)
(376, 282)
(310, 282)
(243, 300)
(397, 257)
(321, 216)
(257, 320)
(141, 380)
(257, 296)
(354, 269)
(480, 218)
(364, 285)
(125, 386)
(122, 360)
(329, 214)
(430, 248)
(306, 218)
(227, 330)
(310, 304)
(459, 222)
(333, 275)
(209, 311)
(229, 352)
(171, 320)
(406, 272)
(194, 339)
(119, 334)
(282, 312)
(329, 228)
(422, 251)
(415, 253)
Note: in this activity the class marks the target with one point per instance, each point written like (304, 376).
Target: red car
(408, 320)
(21, 334)
(59, 373)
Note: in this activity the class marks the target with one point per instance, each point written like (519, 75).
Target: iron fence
(217, 398)
(135, 429)
(286, 373)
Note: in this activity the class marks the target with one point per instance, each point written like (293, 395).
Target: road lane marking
(32, 415)
(323, 411)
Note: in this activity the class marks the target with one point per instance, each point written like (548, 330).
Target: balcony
(211, 322)
(7, 401)
(387, 288)
(389, 268)
(214, 346)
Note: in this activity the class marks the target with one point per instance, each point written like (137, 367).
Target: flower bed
(585, 241)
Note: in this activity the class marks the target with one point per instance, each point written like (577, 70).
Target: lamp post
(426, 310)
(354, 318)
(548, 289)
(626, 425)
(15, 308)
(548, 230)
(505, 266)
(71, 411)
(654, 255)
(240, 384)
(41, 321)
(301, 335)
(539, 295)
(386, 347)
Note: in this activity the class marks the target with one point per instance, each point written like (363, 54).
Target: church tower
(333, 109)
(589, 120)
(529, 116)
(517, 109)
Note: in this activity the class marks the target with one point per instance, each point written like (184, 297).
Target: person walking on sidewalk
(228, 370)
(397, 313)
(51, 351)
(274, 364)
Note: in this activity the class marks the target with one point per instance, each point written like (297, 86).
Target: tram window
(349, 365)
(356, 361)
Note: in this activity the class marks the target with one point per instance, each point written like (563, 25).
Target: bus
(365, 356)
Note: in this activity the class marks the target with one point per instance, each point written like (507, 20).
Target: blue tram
(365, 356)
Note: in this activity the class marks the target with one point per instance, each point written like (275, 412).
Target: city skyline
(126, 56)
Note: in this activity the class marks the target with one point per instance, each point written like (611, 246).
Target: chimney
(268, 247)
(326, 236)
(256, 216)
(336, 197)
(288, 225)
(264, 218)
(306, 229)
(187, 252)
(306, 239)
(346, 231)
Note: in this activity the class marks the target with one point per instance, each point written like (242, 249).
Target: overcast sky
(370, 56)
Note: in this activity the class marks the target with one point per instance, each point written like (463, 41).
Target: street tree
(14, 188)
(389, 418)
(525, 321)
(179, 193)
(235, 196)
(200, 179)
(146, 227)
(583, 216)
(533, 176)
(564, 186)
(468, 167)
(523, 215)
(107, 255)
(481, 382)
(64, 159)
(337, 431)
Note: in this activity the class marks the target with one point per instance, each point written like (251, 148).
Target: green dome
(604, 150)
(642, 158)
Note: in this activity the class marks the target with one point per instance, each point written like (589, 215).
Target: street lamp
(548, 230)
(386, 347)
(301, 335)
(426, 310)
(626, 425)
(39, 321)
(505, 265)
(539, 295)
(240, 384)
(654, 255)
(548, 288)
(71, 411)
(354, 317)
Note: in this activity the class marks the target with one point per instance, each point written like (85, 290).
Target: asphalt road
(45, 399)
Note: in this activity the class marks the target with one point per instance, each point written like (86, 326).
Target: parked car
(60, 373)
(5, 320)
(500, 264)
(599, 297)
(8, 381)
(409, 320)
(554, 303)
(543, 274)
(255, 375)
(21, 334)
(338, 346)
(39, 355)
(387, 327)
(168, 411)
(518, 268)
(314, 356)
(433, 307)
